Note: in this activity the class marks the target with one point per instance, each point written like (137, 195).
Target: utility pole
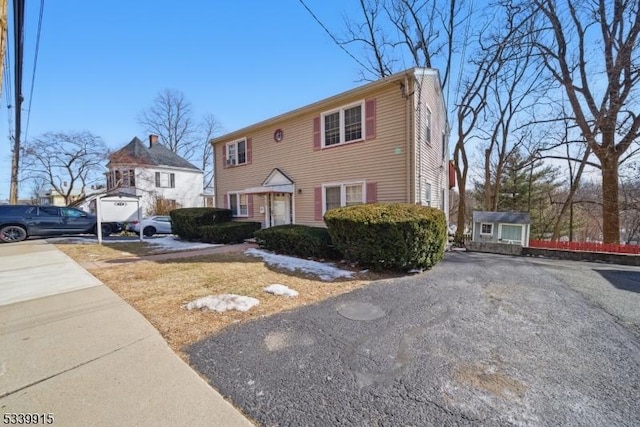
(18, 42)
(3, 36)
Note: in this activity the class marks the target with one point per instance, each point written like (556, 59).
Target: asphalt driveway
(479, 340)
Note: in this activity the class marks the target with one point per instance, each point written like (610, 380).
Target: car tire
(149, 231)
(106, 230)
(12, 233)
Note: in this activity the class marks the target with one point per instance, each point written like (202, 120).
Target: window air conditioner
(231, 162)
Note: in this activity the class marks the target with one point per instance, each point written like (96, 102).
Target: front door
(280, 211)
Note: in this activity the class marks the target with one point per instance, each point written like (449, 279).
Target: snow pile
(223, 302)
(277, 289)
(325, 271)
(172, 243)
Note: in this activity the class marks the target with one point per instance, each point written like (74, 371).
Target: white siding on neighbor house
(432, 164)
(187, 192)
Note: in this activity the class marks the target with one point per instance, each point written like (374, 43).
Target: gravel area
(479, 340)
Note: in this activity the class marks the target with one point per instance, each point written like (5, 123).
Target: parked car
(17, 222)
(158, 224)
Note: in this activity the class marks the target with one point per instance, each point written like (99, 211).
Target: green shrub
(228, 232)
(187, 222)
(389, 236)
(298, 240)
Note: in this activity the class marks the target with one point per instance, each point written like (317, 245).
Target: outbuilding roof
(502, 217)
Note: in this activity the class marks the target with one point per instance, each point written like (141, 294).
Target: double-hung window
(486, 229)
(338, 195)
(343, 125)
(238, 204)
(237, 152)
(428, 127)
(165, 180)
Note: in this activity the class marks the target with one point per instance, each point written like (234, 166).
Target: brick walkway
(170, 255)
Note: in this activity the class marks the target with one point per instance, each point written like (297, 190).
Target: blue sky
(100, 63)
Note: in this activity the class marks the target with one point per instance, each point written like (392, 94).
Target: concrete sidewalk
(71, 347)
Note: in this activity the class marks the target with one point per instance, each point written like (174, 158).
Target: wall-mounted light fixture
(299, 190)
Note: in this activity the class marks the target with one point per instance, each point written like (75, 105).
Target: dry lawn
(159, 289)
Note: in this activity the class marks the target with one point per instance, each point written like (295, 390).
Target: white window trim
(428, 137)
(522, 228)
(343, 192)
(238, 194)
(489, 224)
(363, 123)
(235, 143)
(168, 174)
(427, 201)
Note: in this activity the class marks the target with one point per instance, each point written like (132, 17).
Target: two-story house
(161, 178)
(386, 141)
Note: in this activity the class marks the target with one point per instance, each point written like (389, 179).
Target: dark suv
(17, 222)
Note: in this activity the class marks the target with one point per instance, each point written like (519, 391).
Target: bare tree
(603, 91)
(514, 95)
(68, 162)
(209, 128)
(170, 118)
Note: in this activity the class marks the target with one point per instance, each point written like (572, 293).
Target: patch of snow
(325, 271)
(223, 302)
(166, 243)
(278, 289)
(172, 243)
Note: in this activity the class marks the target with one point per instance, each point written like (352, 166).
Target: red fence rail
(586, 246)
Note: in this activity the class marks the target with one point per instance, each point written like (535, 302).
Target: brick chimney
(153, 139)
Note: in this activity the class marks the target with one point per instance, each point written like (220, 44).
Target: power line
(332, 36)
(35, 64)
(8, 85)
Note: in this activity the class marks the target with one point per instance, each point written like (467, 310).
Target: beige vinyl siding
(381, 160)
(430, 166)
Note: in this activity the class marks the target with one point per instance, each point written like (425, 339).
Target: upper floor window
(165, 180)
(428, 126)
(343, 125)
(338, 195)
(444, 146)
(236, 152)
(121, 178)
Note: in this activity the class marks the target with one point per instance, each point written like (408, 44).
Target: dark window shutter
(157, 179)
(224, 156)
(318, 203)
(172, 177)
(248, 150)
(250, 205)
(316, 134)
(372, 192)
(225, 201)
(370, 118)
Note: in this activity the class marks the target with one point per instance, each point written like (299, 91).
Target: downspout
(408, 140)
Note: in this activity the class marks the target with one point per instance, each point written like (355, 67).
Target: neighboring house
(385, 141)
(501, 227)
(162, 179)
(53, 198)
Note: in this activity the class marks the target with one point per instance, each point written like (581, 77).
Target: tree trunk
(611, 203)
(568, 203)
(462, 207)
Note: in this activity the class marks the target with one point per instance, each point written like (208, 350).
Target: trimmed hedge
(228, 232)
(298, 240)
(186, 222)
(389, 236)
